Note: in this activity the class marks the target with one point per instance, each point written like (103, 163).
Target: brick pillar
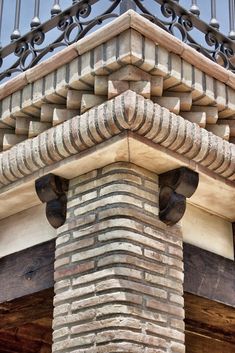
(119, 270)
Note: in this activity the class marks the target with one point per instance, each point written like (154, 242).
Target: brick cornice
(127, 112)
(130, 19)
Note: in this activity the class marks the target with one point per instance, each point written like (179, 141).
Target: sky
(27, 9)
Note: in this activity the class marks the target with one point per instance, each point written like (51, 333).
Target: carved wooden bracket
(52, 190)
(175, 186)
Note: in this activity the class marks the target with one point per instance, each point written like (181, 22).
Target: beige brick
(61, 115)
(101, 85)
(151, 209)
(81, 199)
(195, 117)
(198, 90)
(47, 111)
(220, 95)
(111, 235)
(89, 101)
(130, 310)
(130, 47)
(74, 247)
(125, 199)
(109, 272)
(230, 123)
(211, 113)
(169, 308)
(162, 281)
(10, 140)
(171, 261)
(69, 271)
(61, 309)
(178, 299)
(61, 85)
(50, 92)
(118, 296)
(117, 87)
(156, 86)
(129, 335)
(222, 130)
(187, 74)
(6, 116)
(121, 284)
(130, 73)
(175, 72)
(99, 64)
(170, 103)
(38, 93)
(115, 246)
(125, 188)
(185, 99)
(27, 105)
(209, 95)
(2, 133)
(111, 62)
(86, 68)
(117, 279)
(142, 87)
(165, 331)
(75, 76)
(22, 126)
(161, 62)
(121, 322)
(149, 55)
(37, 127)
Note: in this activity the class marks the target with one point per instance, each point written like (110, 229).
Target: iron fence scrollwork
(79, 19)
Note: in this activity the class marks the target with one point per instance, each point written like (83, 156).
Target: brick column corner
(118, 269)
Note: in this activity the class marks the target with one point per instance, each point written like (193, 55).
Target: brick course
(118, 269)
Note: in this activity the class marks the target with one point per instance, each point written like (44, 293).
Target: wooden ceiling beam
(26, 272)
(209, 275)
(24, 310)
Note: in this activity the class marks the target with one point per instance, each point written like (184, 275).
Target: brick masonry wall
(118, 269)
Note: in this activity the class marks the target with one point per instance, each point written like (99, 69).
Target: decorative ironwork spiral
(80, 19)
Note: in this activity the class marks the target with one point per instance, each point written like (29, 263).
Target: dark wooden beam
(209, 275)
(209, 318)
(175, 186)
(26, 309)
(51, 189)
(196, 343)
(18, 334)
(233, 236)
(27, 272)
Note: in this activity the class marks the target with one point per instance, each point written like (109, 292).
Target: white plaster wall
(208, 231)
(24, 229)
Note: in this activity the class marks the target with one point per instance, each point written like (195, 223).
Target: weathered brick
(118, 268)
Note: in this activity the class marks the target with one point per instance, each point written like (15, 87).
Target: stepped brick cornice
(88, 72)
(127, 112)
(62, 109)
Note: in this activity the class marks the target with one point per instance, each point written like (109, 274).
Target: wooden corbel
(175, 186)
(51, 189)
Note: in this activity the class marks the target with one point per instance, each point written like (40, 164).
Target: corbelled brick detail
(127, 112)
(119, 270)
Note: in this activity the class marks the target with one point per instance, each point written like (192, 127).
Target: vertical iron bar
(36, 21)
(16, 31)
(56, 9)
(194, 9)
(213, 22)
(1, 11)
(127, 5)
(231, 20)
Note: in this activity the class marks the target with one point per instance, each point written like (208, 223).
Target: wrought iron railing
(70, 20)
